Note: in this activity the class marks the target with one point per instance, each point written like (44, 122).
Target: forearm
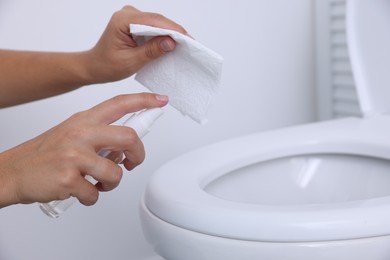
(27, 76)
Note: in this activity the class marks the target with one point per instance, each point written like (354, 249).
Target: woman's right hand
(53, 165)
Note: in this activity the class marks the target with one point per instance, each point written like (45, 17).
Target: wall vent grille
(337, 92)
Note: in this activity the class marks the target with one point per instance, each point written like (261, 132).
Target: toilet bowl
(315, 191)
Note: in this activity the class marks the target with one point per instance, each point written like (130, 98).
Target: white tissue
(189, 75)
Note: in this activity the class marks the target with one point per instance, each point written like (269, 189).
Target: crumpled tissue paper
(189, 75)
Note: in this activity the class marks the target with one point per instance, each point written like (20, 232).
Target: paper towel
(189, 75)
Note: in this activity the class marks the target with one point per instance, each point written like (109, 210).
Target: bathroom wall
(268, 82)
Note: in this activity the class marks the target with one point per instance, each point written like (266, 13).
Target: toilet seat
(202, 212)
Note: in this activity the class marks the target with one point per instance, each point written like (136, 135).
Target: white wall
(268, 82)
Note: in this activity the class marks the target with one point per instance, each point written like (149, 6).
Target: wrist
(84, 64)
(7, 185)
(95, 68)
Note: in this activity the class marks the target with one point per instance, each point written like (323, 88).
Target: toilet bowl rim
(337, 220)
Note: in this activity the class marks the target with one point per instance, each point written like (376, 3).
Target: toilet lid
(368, 36)
(177, 194)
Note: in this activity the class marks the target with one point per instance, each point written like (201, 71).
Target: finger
(134, 158)
(113, 138)
(123, 139)
(131, 15)
(110, 178)
(152, 50)
(135, 16)
(118, 138)
(115, 108)
(130, 8)
(103, 170)
(85, 191)
(129, 165)
(160, 21)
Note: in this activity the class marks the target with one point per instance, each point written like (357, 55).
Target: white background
(267, 83)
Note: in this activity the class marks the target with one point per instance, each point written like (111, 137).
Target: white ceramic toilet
(319, 191)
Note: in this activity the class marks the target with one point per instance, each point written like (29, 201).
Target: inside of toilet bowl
(305, 179)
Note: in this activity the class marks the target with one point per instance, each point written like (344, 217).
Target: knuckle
(130, 137)
(78, 116)
(110, 172)
(129, 7)
(123, 14)
(68, 181)
(69, 155)
(104, 166)
(63, 196)
(120, 101)
(112, 178)
(91, 198)
(118, 15)
(159, 18)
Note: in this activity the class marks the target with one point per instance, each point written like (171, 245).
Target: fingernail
(167, 45)
(162, 98)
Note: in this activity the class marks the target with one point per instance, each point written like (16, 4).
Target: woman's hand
(52, 166)
(117, 56)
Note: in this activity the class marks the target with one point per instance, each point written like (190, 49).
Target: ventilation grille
(344, 98)
(337, 95)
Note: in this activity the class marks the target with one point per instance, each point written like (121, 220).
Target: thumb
(154, 48)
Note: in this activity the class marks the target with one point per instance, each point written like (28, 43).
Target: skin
(52, 166)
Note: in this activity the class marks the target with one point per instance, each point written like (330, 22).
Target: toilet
(316, 191)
